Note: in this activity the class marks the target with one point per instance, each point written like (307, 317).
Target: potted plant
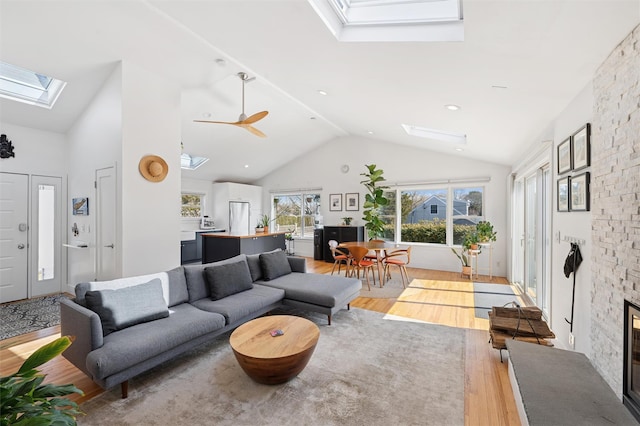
(263, 224)
(471, 240)
(485, 232)
(347, 220)
(373, 201)
(25, 400)
(464, 260)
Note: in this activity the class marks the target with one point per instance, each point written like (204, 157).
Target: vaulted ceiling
(521, 63)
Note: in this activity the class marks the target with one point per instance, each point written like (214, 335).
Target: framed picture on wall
(335, 202)
(80, 206)
(579, 193)
(352, 201)
(564, 156)
(581, 149)
(563, 194)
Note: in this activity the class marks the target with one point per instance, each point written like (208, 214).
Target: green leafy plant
(485, 232)
(25, 401)
(263, 221)
(373, 201)
(347, 220)
(470, 239)
(464, 259)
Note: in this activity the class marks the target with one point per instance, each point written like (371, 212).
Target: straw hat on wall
(153, 168)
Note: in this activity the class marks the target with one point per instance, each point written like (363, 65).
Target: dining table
(378, 247)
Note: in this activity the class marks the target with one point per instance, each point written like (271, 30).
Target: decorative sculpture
(6, 148)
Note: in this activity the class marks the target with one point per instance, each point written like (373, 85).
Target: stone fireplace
(615, 213)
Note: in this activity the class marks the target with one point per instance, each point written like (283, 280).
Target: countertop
(228, 235)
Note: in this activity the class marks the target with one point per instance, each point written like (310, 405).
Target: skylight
(190, 162)
(392, 20)
(439, 135)
(27, 86)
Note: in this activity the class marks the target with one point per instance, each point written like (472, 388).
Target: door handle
(110, 245)
(20, 246)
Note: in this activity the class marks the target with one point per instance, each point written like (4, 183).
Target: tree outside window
(295, 213)
(191, 205)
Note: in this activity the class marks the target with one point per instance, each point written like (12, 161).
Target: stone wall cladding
(615, 208)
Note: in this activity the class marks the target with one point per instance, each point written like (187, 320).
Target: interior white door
(46, 231)
(106, 243)
(13, 236)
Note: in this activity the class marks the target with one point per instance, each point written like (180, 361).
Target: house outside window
(192, 205)
(295, 213)
(425, 218)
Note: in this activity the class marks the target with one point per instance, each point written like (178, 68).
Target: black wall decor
(6, 149)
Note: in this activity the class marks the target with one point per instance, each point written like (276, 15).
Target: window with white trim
(295, 213)
(192, 205)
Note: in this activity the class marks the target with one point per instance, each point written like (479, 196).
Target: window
(425, 218)
(192, 205)
(191, 162)
(296, 212)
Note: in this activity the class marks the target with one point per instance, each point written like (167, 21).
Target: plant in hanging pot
(373, 201)
(485, 232)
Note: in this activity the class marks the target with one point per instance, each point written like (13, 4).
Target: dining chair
(372, 255)
(340, 256)
(360, 263)
(399, 258)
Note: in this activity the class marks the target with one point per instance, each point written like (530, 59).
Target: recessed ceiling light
(452, 107)
(322, 92)
(459, 149)
(206, 114)
(246, 166)
(370, 132)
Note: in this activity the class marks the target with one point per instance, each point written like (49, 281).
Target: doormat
(486, 296)
(29, 315)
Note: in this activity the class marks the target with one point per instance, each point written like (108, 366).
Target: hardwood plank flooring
(439, 297)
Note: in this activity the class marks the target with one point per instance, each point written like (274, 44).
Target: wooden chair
(399, 258)
(359, 262)
(371, 255)
(340, 256)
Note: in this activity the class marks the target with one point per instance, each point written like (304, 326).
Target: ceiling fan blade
(255, 117)
(235, 123)
(253, 130)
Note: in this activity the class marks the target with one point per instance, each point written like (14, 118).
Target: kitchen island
(222, 245)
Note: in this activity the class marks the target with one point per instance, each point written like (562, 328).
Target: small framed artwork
(352, 201)
(80, 206)
(564, 156)
(563, 194)
(579, 193)
(335, 202)
(581, 149)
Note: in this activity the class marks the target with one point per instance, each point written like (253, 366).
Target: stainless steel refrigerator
(239, 217)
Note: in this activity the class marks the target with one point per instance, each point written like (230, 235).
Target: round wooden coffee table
(272, 360)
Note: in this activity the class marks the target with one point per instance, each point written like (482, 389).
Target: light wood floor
(443, 298)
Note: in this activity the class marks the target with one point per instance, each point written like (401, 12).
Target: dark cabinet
(188, 252)
(341, 234)
(219, 247)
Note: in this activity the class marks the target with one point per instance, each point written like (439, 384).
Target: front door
(14, 191)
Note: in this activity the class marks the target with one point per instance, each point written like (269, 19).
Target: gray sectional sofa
(126, 326)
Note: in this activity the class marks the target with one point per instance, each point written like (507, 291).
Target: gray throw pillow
(274, 264)
(227, 279)
(253, 260)
(128, 306)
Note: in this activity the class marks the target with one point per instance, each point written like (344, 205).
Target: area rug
(29, 315)
(366, 370)
(486, 296)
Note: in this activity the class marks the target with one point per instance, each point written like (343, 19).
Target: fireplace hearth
(631, 380)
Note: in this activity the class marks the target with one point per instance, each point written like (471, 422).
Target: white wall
(95, 142)
(36, 151)
(575, 224)
(322, 168)
(150, 210)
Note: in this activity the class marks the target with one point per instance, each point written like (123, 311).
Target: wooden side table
(273, 360)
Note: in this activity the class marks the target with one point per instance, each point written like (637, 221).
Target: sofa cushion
(228, 278)
(242, 305)
(177, 286)
(196, 281)
(274, 264)
(124, 307)
(253, 260)
(317, 289)
(133, 346)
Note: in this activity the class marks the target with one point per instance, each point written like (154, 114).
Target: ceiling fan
(243, 121)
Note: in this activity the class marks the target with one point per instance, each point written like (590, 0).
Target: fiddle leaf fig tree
(374, 200)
